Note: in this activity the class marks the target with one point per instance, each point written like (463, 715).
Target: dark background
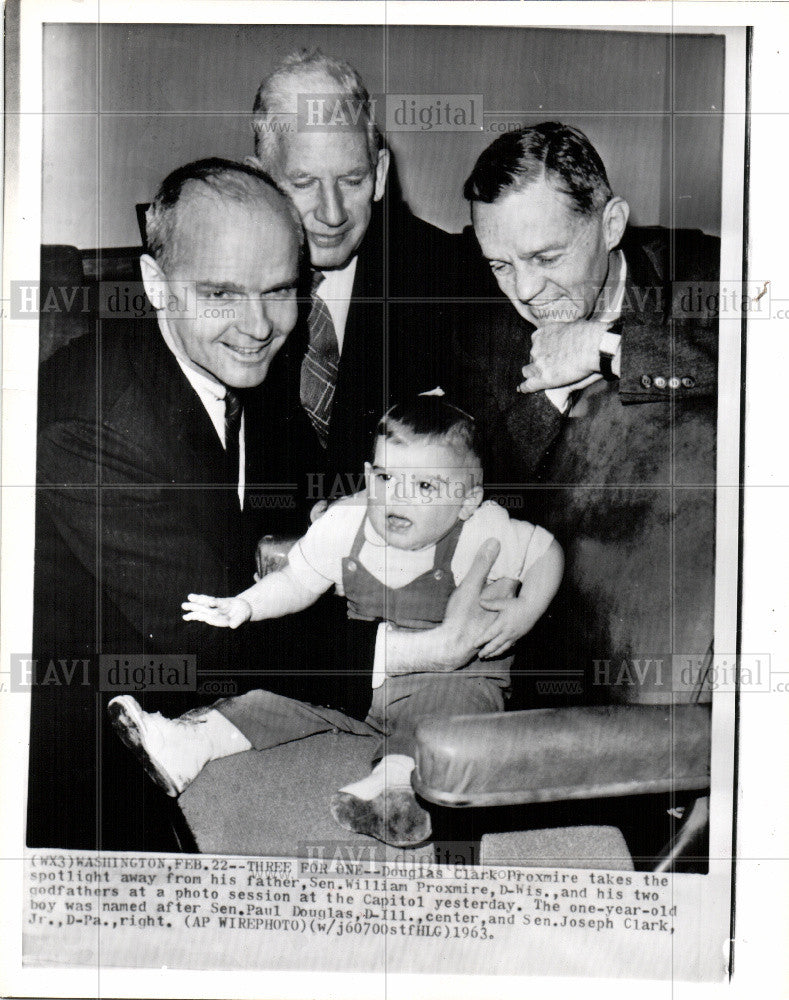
(126, 104)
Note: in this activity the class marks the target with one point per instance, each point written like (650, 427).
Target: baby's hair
(432, 417)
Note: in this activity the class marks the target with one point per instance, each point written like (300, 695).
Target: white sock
(224, 737)
(392, 771)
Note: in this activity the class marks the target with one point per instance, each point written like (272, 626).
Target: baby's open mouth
(398, 523)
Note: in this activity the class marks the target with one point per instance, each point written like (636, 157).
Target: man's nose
(254, 320)
(331, 207)
(528, 283)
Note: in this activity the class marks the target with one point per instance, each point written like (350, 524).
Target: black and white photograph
(464, 299)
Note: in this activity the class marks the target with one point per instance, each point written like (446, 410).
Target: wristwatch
(609, 345)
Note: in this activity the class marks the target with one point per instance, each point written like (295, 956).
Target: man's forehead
(211, 229)
(298, 84)
(203, 213)
(529, 217)
(201, 203)
(334, 148)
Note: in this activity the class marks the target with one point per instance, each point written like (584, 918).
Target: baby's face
(417, 491)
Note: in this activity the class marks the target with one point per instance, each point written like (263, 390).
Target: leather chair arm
(547, 755)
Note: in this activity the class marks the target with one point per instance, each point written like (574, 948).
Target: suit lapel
(197, 452)
(531, 419)
(644, 286)
(368, 282)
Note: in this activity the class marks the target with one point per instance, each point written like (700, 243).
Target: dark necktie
(320, 364)
(542, 470)
(234, 407)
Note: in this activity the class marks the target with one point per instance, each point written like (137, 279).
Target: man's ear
(381, 170)
(615, 216)
(471, 501)
(154, 281)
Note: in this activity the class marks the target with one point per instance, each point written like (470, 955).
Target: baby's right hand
(223, 612)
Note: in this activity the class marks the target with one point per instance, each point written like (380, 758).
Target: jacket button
(439, 573)
(646, 381)
(352, 565)
(674, 382)
(688, 381)
(660, 382)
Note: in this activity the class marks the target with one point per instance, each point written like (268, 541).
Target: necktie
(542, 470)
(233, 410)
(319, 367)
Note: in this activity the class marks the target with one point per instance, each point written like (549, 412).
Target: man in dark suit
(615, 414)
(594, 387)
(162, 458)
(595, 395)
(356, 349)
(315, 134)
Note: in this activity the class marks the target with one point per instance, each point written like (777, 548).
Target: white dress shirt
(335, 290)
(212, 395)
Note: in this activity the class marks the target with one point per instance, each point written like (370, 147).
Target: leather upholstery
(547, 755)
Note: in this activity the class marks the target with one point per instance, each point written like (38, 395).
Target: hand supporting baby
(223, 612)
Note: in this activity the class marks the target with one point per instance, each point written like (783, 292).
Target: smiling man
(558, 244)
(600, 386)
(370, 255)
(222, 272)
(156, 440)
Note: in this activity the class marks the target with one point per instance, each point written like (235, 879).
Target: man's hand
(452, 644)
(222, 612)
(562, 354)
(272, 554)
(467, 621)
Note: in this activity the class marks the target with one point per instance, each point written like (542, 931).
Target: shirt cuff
(611, 343)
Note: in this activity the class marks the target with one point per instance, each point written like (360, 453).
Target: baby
(396, 551)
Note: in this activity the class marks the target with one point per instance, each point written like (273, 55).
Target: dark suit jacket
(135, 510)
(391, 346)
(627, 489)
(491, 343)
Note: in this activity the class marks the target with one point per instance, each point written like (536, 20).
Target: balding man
(155, 442)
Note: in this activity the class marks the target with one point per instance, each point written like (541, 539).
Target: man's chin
(246, 376)
(331, 258)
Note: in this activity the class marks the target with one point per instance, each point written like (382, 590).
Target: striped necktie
(320, 364)
(234, 407)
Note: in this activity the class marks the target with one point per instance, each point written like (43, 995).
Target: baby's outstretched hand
(223, 612)
(505, 629)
